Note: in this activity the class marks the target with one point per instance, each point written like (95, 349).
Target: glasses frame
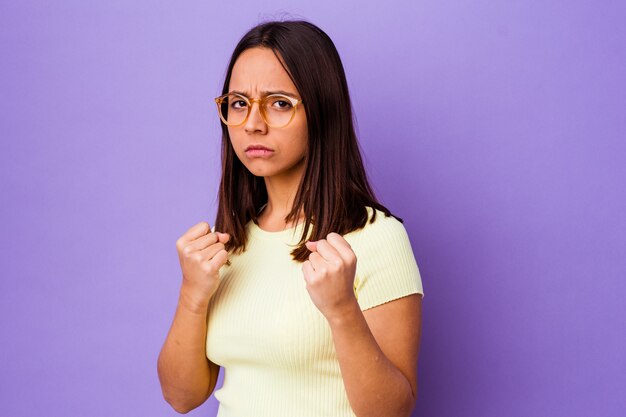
(295, 102)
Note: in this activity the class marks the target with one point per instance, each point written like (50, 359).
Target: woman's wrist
(193, 300)
(345, 314)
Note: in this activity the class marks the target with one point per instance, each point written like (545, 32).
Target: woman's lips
(259, 153)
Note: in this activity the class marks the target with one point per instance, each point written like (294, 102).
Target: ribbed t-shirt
(275, 346)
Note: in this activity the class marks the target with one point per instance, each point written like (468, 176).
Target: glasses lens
(278, 110)
(233, 109)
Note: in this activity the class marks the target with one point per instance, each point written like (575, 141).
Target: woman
(273, 293)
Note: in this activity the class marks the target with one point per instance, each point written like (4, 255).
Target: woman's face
(256, 71)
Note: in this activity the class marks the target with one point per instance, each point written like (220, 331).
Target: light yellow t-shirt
(275, 346)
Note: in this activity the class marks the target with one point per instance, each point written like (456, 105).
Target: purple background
(495, 129)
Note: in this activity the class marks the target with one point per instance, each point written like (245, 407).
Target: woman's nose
(255, 119)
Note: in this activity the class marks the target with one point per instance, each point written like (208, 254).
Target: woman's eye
(235, 104)
(282, 104)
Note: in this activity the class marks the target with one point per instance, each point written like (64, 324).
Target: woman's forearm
(374, 385)
(184, 370)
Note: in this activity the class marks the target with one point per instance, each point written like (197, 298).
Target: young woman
(306, 290)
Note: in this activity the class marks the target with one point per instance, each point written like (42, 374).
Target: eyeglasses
(277, 110)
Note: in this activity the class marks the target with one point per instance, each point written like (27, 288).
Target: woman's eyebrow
(265, 93)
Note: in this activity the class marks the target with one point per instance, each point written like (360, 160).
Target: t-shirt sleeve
(386, 266)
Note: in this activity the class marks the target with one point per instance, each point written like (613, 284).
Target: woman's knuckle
(208, 267)
(196, 257)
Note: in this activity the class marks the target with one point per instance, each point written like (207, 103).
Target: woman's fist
(329, 274)
(201, 254)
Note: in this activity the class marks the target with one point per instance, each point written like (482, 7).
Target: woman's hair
(334, 190)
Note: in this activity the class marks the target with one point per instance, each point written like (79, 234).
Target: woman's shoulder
(379, 228)
(386, 266)
(379, 221)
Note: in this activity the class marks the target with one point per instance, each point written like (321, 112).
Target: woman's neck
(281, 192)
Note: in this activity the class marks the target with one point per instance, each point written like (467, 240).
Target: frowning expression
(256, 73)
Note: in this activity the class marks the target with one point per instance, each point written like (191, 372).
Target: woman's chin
(260, 172)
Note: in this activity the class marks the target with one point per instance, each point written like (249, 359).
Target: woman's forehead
(257, 71)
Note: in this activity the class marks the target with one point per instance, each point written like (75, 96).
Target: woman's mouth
(255, 151)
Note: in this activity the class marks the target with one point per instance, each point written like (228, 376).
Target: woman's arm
(187, 377)
(377, 351)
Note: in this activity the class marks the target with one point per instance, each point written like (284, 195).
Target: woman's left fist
(329, 274)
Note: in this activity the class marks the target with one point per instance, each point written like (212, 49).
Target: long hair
(334, 190)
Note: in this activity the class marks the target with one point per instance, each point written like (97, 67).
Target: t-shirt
(275, 346)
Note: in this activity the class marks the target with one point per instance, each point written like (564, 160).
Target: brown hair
(334, 190)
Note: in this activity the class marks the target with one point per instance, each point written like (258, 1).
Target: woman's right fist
(201, 254)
